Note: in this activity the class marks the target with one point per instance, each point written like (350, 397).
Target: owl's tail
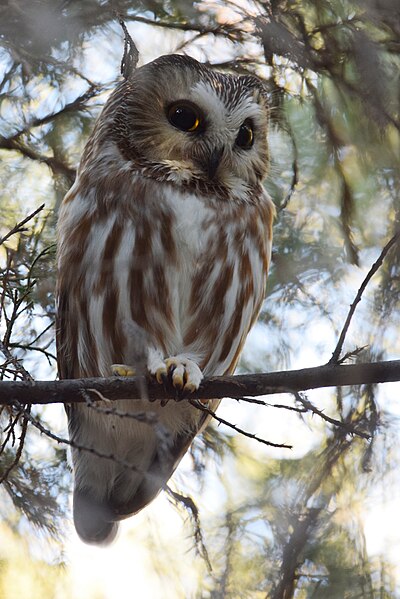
(129, 464)
(93, 519)
(106, 491)
(138, 467)
(96, 520)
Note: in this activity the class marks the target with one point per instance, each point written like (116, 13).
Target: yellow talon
(181, 372)
(122, 370)
(191, 388)
(159, 375)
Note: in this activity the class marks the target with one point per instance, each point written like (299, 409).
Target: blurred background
(320, 520)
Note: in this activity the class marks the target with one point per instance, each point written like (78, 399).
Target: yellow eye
(184, 117)
(195, 125)
(245, 137)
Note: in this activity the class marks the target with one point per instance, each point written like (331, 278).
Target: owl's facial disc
(189, 125)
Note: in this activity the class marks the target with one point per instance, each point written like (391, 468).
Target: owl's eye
(184, 117)
(245, 137)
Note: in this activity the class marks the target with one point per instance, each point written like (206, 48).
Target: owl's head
(183, 122)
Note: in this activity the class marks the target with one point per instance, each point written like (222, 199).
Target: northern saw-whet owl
(164, 243)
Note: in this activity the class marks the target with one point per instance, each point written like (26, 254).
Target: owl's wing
(65, 362)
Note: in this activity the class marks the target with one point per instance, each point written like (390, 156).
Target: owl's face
(181, 118)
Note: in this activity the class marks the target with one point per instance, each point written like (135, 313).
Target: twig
(74, 444)
(41, 350)
(56, 165)
(338, 423)
(19, 227)
(9, 429)
(150, 418)
(19, 450)
(204, 408)
(261, 402)
(17, 365)
(377, 264)
(295, 170)
(75, 106)
(219, 30)
(193, 510)
(352, 354)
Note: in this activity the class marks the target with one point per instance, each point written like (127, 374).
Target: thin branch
(374, 268)
(79, 104)
(27, 377)
(41, 350)
(219, 30)
(164, 437)
(348, 428)
(56, 165)
(293, 183)
(10, 430)
(114, 388)
(261, 402)
(192, 509)
(149, 418)
(18, 454)
(253, 436)
(19, 227)
(107, 456)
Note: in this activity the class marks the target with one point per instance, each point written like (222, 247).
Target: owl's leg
(183, 373)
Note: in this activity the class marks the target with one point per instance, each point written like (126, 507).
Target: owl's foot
(122, 370)
(181, 373)
(184, 374)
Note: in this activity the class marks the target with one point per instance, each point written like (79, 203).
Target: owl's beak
(213, 162)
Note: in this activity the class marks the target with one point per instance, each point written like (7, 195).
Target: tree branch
(57, 166)
(113, 388)
(19, 227)
(77, 105)
(374, 268)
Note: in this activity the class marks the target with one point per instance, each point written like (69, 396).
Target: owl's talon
(178, 376)
(122, 370)
(189, 388)
(171, 368)
(164, 379)
(180, 373)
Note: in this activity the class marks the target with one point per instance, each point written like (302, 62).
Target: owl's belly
(200, 299)
(185, 279)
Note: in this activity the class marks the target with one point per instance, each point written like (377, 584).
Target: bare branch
(100, 454)
(374, 268)
(114, 388)
(203, 408)
(57, 166)
(19, 227)
(18, 454)
(346, 426)
(19, 368)
(79, 104)
(193, 511)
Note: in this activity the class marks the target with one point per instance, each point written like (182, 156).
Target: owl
(164, 243)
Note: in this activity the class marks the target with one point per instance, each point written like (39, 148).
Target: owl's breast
(217, 282)
(194, 225)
